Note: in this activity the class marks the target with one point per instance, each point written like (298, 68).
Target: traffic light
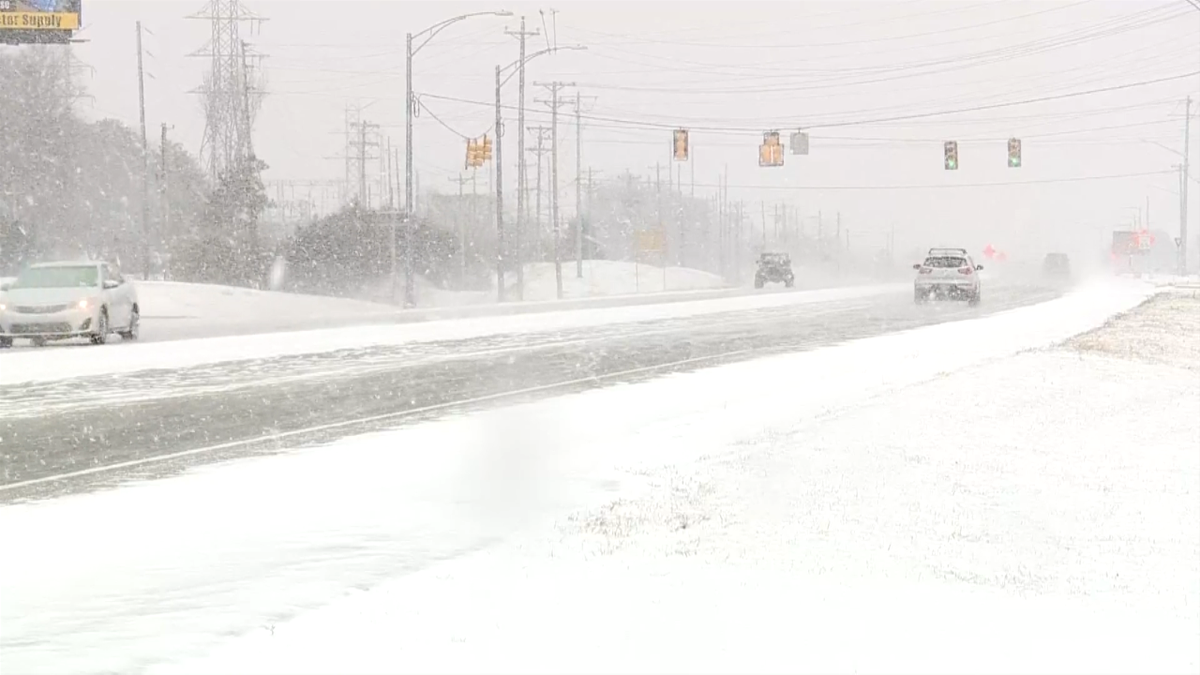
(1014, 153)
(951, 153)
(472, 154)
(680, 145)
(485, 150)
(799, 143)
(770, 153)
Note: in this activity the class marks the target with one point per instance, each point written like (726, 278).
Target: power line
(465, 137)
(1099, 30)
(823, 28)
(946, 186)
(862, 122)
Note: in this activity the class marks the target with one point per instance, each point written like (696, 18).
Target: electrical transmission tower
(364, 149)
(232, 88)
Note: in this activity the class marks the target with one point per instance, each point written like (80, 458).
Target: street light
(409, 105)
(515, 67)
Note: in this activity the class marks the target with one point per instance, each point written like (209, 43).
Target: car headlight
(84, 303)
(3, 306)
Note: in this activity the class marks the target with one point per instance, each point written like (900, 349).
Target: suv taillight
(965, 270)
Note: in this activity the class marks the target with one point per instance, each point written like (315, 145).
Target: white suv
(947, 273)
(55, 301)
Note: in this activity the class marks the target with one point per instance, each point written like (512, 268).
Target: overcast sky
(729, 71)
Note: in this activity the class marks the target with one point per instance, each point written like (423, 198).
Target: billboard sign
(1127, 242)
(39, 21)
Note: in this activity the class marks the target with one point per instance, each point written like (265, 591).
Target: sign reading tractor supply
(1131, 242)
(32, 21)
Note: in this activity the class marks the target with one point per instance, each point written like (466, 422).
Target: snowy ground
(612, 277)
(733, 519)
(168, 300)
(600, 278)
(1066, 542)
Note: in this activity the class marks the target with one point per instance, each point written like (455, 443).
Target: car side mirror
(110, 284)
(917, 266)
(978, 267)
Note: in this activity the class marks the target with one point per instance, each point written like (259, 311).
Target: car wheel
(789, 282)
(974, 299)
(38, 341)
(134, 329)
(101, 334)
(5, 342)
(758, 282)
(920, 298)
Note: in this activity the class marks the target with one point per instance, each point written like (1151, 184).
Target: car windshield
(83, 276)
(945, 261)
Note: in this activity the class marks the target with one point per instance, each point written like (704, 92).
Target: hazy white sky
(728, 71)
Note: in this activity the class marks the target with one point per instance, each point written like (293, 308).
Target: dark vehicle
(774, 268)
(1056, 265)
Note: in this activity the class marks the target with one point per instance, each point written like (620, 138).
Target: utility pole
(542, 136)
(166, 195)
(1183, 222)
(362, 165)
(737, 244)
(499, 164)
(591, 191)
(680, 218)
(579, 185)
(692, 168)
(554, 88)
(462, 227)
(578, 188)
(763, 206)
(658, 209)
(387, 178)
(410, 293)
(522, 173)
(722, 216)
(474, 207)
(145, 159)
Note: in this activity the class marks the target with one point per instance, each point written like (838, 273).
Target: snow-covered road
(71, 433)
(716, 518)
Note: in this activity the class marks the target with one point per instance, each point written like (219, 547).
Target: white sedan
(62, 300)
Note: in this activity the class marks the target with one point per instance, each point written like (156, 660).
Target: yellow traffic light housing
(680, 145)
(950, 149)
(770, 153)
(486, 150)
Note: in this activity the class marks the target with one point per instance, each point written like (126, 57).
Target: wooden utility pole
(1183, 200)
(166, 194)
(522, 171)
(555, 103)
(540, 150)
(145, 158)
(462, 226)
